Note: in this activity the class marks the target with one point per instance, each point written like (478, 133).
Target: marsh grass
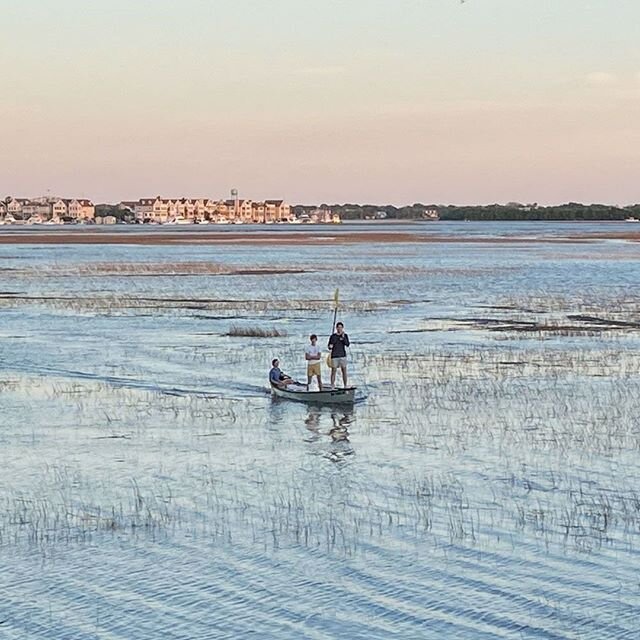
(238, 331)
(485, 442)
(146, 269)
(110, 304)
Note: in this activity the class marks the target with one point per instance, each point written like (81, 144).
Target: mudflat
(135, 237)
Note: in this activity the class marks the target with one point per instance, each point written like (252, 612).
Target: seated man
(276, 376)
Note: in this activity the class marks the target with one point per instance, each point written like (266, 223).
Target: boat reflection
(326, 427)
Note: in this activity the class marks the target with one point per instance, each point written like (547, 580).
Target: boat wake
(115, 381)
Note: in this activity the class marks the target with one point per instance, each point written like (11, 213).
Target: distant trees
(570, 211)
(512, 211)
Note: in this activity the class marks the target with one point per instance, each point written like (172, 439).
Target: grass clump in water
(255, 332)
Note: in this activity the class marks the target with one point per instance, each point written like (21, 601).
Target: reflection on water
(325, 426)
(312, 423)
(330, 427)
(339, 433)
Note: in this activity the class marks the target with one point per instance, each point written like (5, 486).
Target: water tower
(236, 203)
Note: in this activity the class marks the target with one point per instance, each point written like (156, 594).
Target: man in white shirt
(312, 356)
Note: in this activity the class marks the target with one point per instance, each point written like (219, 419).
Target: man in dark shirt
(337, 345)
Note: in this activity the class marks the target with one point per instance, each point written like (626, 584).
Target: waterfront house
(210, 207)
(245, 210)
(88, 211)
(226, 209)
(276, 210)
(258, 212)
(106, 220)
(58, 209)
(154, 209)
(143, 209)
(35, 207)
(13, 206)
(199, 208)
(81, 209)
(431, 213)
(184, 208)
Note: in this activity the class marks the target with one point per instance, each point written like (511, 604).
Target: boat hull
(326, 396)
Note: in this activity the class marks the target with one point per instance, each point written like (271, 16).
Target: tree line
(569, 211)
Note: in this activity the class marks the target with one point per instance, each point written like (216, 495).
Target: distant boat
(631, 219)
(179, 220)
(8, 219)
(299, 393)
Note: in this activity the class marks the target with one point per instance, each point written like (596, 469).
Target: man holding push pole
(337, 345)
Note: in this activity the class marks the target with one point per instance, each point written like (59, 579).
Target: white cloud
(601, 78)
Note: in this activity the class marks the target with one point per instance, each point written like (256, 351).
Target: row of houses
(44, 209)
(163, 210)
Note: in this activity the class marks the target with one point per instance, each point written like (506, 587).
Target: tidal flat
(486, 484)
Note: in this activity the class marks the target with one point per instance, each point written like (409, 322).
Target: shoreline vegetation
(512, 211)
(237, 331)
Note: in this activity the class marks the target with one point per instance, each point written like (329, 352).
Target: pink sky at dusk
(360, 101)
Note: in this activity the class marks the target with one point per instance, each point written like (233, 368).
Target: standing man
(312, 356)
(337, 344)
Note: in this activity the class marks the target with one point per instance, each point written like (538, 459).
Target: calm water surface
(484, 485)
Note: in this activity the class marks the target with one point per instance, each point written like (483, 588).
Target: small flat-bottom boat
(299, 393)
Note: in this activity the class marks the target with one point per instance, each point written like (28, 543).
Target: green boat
(299, 393)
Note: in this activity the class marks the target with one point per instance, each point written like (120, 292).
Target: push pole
(335, 316)
(335, 309)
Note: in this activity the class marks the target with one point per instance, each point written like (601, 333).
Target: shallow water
(484, 485)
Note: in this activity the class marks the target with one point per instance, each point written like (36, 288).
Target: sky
(377, 101)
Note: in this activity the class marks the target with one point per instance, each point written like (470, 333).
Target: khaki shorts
(314, 369)
(336, 363)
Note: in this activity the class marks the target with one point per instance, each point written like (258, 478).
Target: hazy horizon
(439, 102)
